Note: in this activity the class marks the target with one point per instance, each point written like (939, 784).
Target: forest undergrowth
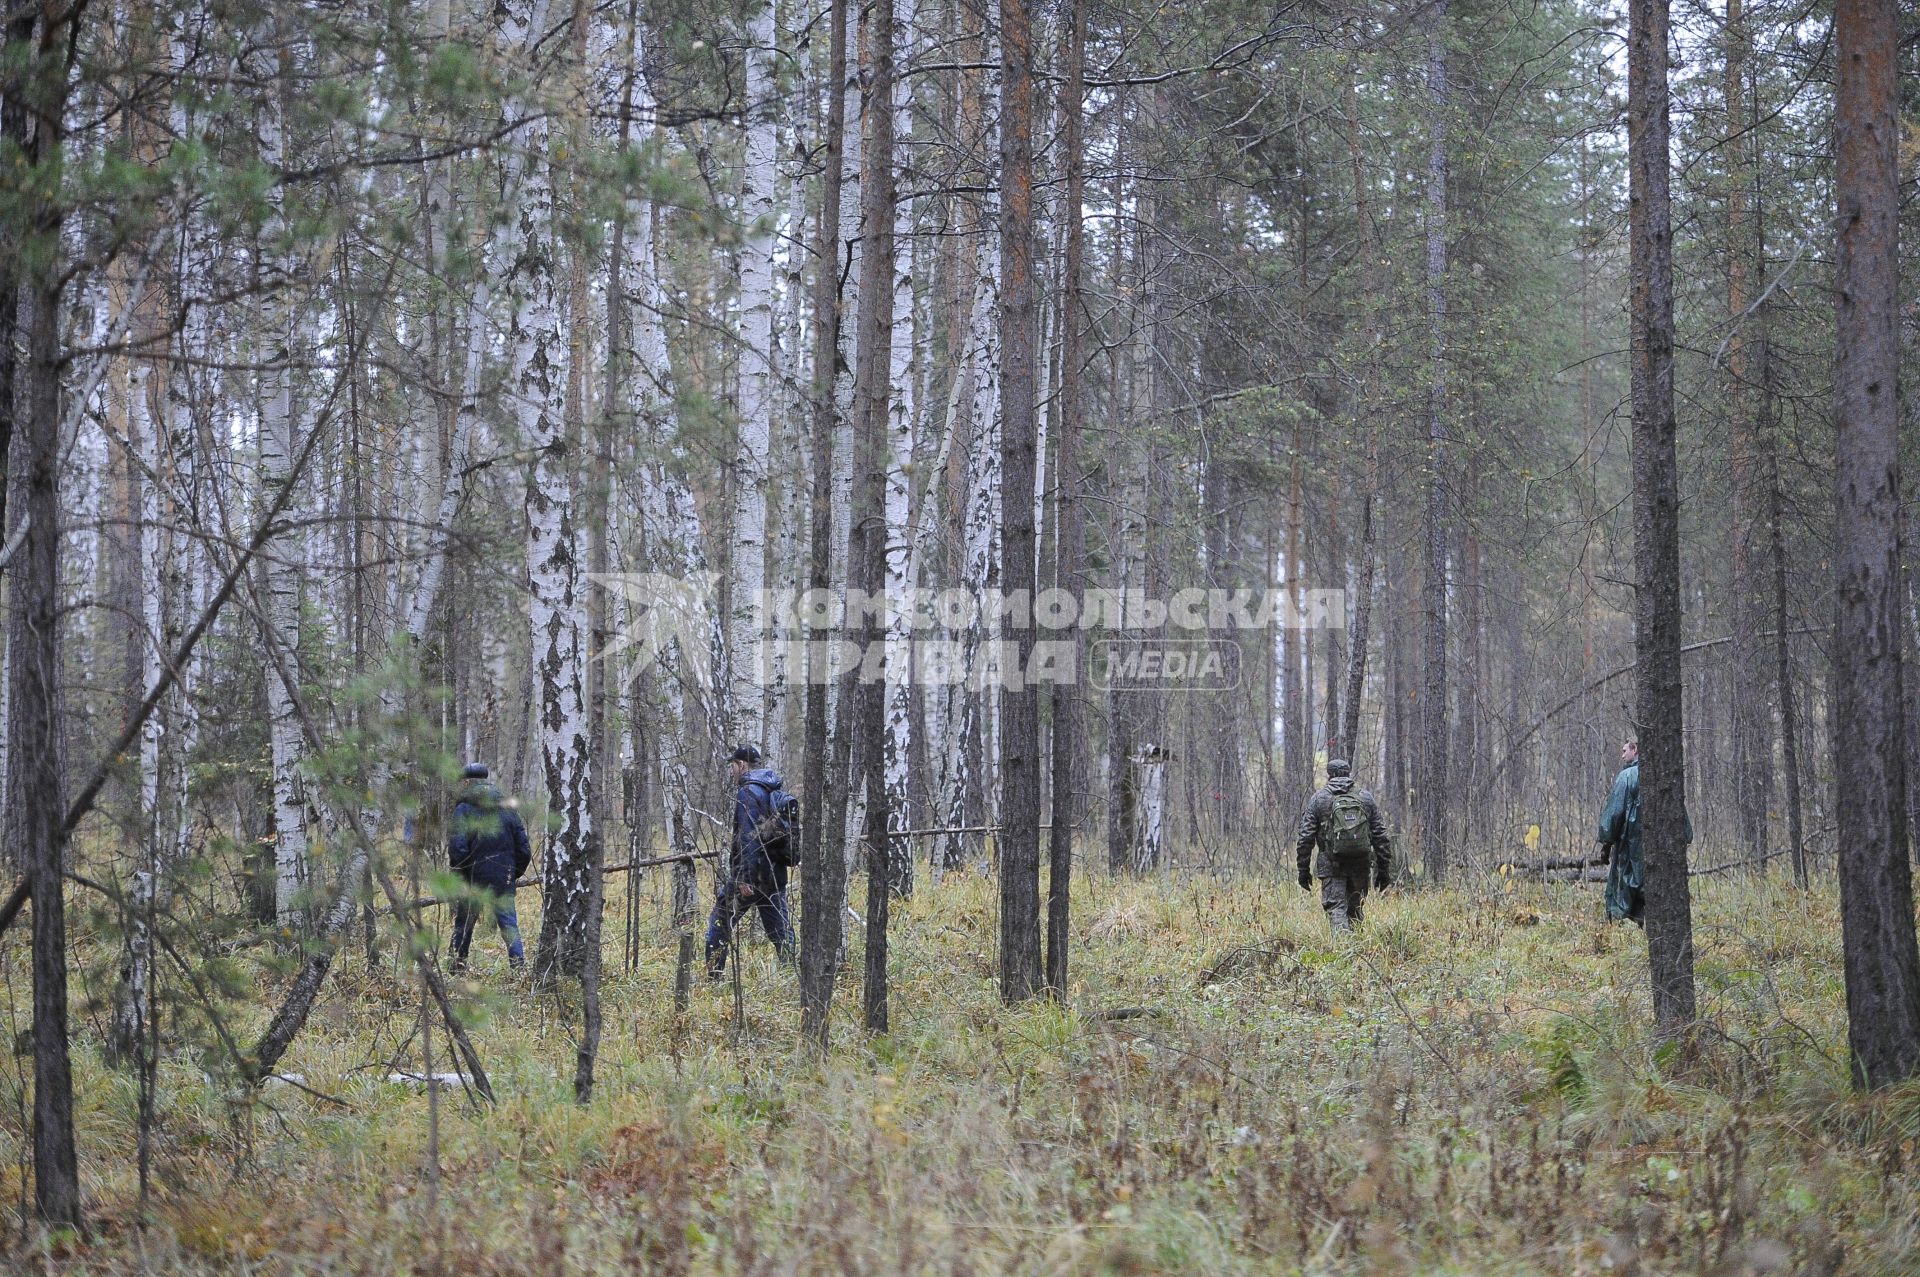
(1468, 1087)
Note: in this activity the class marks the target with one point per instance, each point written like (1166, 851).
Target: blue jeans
(466, 913)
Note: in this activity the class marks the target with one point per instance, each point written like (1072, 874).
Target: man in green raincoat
(1620, 841)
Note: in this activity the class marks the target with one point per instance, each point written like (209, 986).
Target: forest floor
(1468, 1087)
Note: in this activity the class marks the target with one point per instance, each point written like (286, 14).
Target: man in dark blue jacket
(750, 879)
(488, 848)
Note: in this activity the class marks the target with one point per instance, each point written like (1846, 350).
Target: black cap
(744, 754)
(474, 771)
(1338, 767)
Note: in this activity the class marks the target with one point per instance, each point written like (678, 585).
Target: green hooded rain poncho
(1620, 829)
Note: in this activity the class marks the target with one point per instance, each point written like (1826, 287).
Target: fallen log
(1588, 873)
(1547, 864)
(427, 901)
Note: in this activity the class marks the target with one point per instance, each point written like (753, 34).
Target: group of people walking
(487, 847)
(1342, 845)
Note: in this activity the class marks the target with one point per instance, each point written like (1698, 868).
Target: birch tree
(746, 711)
(537, 385)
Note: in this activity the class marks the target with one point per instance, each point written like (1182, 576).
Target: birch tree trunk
(900, 401)
(745, 713)
(538, 383)
(279, 443)
(970, 741)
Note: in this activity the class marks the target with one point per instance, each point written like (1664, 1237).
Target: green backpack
(1349, 832)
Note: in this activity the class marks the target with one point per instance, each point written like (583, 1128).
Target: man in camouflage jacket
(1341, 863)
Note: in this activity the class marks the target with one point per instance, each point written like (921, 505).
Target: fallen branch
(313, 972)
(1606, 678)
(1548, 863)
(1591, 873)
(298, 1083)
(953, 829)
(1736, 864)
(18, 539)
(1232, 960)
(425, 902)
(1118, 1014)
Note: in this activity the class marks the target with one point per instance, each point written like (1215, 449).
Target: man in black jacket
(1339, 832)
(751, 879)
(488, 848)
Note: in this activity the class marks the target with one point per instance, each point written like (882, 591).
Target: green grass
(1468, 1087)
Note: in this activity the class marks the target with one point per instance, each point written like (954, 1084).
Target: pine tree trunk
(1432, 780)
(1753, 717)
(822, 868)
(1656, 529)
(1069, 549)
(1876, 886)
(867, 557)
(33, 645)
(1019, 839)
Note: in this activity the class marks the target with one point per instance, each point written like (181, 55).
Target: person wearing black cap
(1339, 831)
(488, 848)
(752, 879)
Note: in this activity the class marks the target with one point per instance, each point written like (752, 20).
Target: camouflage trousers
(1344, 897)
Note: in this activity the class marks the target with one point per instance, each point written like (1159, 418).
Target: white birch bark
(279, 444)
(746, 710)
(1150, 771)
(667, 519)
(537, 383)
(899, 497)
(792, 376)
(980, 524)
(493, 265)
(850, 228)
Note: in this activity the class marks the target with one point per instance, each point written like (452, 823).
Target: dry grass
(1467, 1088)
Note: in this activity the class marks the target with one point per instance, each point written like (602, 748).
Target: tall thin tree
(41, 82)
(868, 550)
(1876, 885)
(1019, 841)
(1068, 547)
(1656, 526)
(823, 880)
(1432, 781)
